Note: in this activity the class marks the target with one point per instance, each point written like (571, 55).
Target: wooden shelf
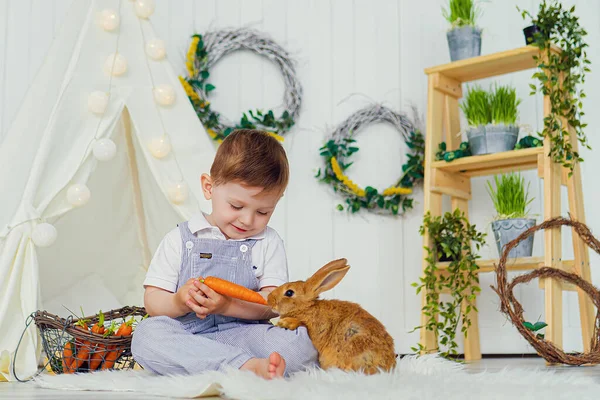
(513, 264)
(444, 90)
(490, 164)
(488, 65)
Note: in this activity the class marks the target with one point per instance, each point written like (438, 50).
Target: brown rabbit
(345, 335)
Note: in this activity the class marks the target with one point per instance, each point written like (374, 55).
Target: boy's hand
(184, 298)
(206, 301)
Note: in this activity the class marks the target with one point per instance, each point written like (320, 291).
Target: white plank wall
(349, 53)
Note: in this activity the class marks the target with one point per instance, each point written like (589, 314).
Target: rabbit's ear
(328, 276)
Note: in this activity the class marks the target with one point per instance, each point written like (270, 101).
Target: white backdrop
(349, 52)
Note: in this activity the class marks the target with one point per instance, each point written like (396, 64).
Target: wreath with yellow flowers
(206, 50)
(341, 145)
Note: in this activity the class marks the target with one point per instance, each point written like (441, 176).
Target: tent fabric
(103, 247)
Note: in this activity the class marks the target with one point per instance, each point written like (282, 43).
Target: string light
(97, 102)
(178, 192)
(109, 20)
(115, 65)
(104, 149)
(160, 147)
(44, 234)
(156, 49)
(144, 8)
(164, 95)
(78, 194)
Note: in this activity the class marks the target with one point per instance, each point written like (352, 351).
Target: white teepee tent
(102, 249)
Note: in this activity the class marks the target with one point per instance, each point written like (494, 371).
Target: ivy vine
(453, 237)
(561, 76)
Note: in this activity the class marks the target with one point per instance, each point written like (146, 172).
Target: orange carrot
(114, 352)
(231, 289)
(67, 358)
(99, 349)
(83, 346)
(99, 326)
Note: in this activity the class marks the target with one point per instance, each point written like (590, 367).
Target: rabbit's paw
(289, 323)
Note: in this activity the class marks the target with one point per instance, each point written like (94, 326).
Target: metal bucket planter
(492, 138)
(506, 230)
(464, 42)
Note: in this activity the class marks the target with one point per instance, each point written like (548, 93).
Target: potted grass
(464, 37)
(511, 200)
(492, 118)
(477, 112)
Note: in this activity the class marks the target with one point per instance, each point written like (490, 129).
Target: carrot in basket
(67, 358)
(114, 352)
(231, 289)
(84, 347)
(99, 349)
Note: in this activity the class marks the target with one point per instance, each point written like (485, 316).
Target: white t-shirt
(268, 256)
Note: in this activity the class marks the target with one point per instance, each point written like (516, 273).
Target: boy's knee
(306, 344)
(146, 335)
(299, 352)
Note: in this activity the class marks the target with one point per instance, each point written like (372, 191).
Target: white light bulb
(109, 20)
(160, 147)
(104, 149)
(155, 49)
(44, 235)
(144, 8)
(78, 194)
(115, 63)
(164, 95)
(97, 102)
(178, 192)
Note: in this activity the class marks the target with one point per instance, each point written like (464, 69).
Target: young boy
(194, 329)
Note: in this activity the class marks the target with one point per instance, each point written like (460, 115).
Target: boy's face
(239, 211)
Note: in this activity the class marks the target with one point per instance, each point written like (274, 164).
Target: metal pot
(506, 230)
(492, 138)
(464, 42)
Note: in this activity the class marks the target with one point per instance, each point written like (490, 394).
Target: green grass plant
(500, 105)
(504, 105)
(476, 106)
(510, 197)
(461, 13)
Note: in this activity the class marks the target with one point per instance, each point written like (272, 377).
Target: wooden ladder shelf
(454, 179)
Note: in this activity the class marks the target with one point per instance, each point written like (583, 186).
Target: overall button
(243, 248)
(189, 244)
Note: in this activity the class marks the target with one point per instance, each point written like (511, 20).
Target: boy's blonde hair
(251, 157)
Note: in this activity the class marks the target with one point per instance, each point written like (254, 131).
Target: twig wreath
(206, 50)
(341, 145)
(513, 309)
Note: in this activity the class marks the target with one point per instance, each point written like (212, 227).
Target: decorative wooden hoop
(511, 307)
(208, 49)
(341, 145)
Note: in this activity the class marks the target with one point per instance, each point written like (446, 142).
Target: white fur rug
(427, 377)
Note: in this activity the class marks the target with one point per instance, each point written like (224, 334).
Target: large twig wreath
(511, 307)
(341, 145)
(206, 50)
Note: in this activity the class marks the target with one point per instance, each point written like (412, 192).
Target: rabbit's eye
(289, 293)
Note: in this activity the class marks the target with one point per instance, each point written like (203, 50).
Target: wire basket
(87, 351)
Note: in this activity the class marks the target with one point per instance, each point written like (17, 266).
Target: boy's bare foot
(268, 368)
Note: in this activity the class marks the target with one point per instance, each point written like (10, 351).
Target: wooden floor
(492, 364)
